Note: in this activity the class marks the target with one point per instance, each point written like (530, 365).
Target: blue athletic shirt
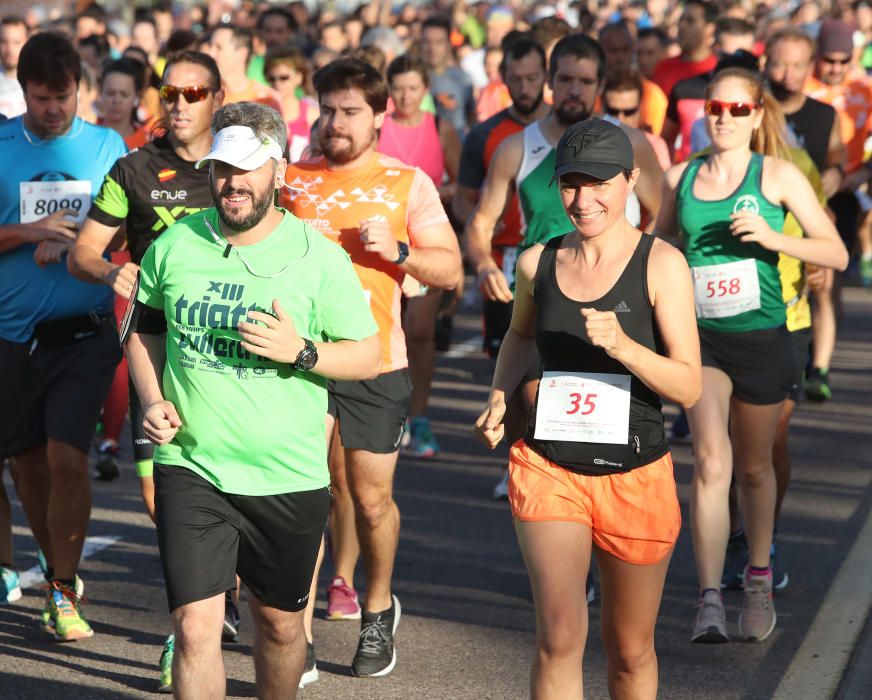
(36, 178)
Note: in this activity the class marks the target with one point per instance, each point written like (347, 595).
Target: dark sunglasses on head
(195, 93)
(615, 112)
(277, 78)
(737, 109)
(836, 61)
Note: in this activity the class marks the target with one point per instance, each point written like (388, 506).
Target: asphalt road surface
(467, 628)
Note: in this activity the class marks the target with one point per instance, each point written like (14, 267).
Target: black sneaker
(780, 579)
(376, 655)
(107, 461)
(230, 633)
(310, 670)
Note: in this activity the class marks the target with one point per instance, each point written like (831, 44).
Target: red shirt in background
(670, 70)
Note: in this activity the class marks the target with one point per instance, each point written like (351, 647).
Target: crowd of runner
(272, 207)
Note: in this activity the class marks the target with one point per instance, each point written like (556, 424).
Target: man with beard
(241, 314)
(147, 191)
(493, 257)
(388, 217)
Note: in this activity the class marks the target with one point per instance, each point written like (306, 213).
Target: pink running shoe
(342, 603)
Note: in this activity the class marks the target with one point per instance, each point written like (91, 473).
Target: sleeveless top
(415, 145)
(541, 207)
(563, 350)
(299, 130)
(737, 287)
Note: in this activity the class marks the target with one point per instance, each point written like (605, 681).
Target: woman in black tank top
(611, 312)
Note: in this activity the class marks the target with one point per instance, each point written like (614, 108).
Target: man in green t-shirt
(259, 310)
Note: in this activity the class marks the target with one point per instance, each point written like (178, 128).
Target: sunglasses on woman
(737, 109)
(195, 93)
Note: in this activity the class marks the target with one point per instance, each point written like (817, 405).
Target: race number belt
(583, 407)
(724, 290)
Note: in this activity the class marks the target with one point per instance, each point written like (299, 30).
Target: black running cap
(593, 147)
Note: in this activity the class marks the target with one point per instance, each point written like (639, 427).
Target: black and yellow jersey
(150, 189)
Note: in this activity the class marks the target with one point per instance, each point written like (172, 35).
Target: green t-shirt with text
(250, 426)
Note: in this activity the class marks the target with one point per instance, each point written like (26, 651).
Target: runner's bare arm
(821, 244)
(463, 203)
(832, 174)
(649, 186)
(677, 375)
(451, 148)
(434, 257)
(349, 360)
(666, 225)
(479, 231)
(54, 227)
(86, 261)
(517, 352)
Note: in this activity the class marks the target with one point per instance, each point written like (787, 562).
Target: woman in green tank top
(729, 208)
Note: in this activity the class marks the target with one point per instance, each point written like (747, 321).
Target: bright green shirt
(250, 426)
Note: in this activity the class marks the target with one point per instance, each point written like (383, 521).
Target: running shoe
(310, 670)
(422, 442)
(817, 385)
(866, 270)
(376, 654)
(230, 633)
(70, 624)
(342, 601)
(780, 579)
(711, 620)
(46, 621)
(757, 619)
(591, 587)
(10, 585)
(107, 461)
(166, 665)
(501, 489)
(735, 562)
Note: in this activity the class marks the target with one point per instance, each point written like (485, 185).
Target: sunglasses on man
(195, 93)
(615, 112)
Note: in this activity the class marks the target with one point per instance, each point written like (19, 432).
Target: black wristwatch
(402, 252)
(307, 358)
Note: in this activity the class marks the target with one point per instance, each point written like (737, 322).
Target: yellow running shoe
(69, 623)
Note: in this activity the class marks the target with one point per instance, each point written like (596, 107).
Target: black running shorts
(759, 363)
(206, 537)
(371, 412)
(801, 342)
(55, 392)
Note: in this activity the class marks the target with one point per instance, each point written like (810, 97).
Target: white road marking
(818, 666)
(33, 577)
(465, 349)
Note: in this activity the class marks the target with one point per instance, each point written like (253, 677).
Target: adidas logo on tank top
(622, 308)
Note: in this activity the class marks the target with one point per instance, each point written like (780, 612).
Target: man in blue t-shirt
(58, 339)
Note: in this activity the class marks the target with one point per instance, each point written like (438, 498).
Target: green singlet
(250, 426)
(737, 286)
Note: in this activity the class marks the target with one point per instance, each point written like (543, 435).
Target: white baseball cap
(240, 147)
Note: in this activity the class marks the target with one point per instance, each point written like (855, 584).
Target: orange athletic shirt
(853, 103)
(254, 92)
(336, 201)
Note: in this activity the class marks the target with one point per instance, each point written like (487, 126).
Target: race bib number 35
(729, 289)
(40, 199)
(583, 407)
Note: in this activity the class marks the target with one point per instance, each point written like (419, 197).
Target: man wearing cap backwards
(835, 83)
(258, 311)
(611, 312)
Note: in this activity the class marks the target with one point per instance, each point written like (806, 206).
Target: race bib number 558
(40, 199)
(726, 290)
(583, 407)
